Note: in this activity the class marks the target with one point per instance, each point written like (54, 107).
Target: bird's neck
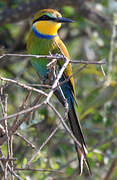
(46, 29)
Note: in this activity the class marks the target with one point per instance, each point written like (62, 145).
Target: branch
(14, 127)
(41, 170)
(65, 125)
(24, 86)
(13, 173)
(26, 140)
(23, 111)
(87, 62)
(46, 102)
(57, 57)
(27, 9)
(62, 120)
(43, 145)
(31, 55)
(111, 170)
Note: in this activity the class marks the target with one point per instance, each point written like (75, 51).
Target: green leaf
(97, 97)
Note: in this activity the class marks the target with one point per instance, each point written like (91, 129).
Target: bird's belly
(40, 67)
(46, 75)
(40, 46)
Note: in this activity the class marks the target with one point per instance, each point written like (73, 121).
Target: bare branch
(31, 55)
(88, 62)
(55, 57)
(13, 173)
(111, 170)
(24, 86)
(26, 140)
(23, 111)
(112, 47)
(65, 125)
(13, 129)
(41, 170)
(42, 146)
(27, 9)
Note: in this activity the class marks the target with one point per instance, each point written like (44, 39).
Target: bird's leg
(51, 64)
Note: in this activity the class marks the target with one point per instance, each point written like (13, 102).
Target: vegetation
(26, 152)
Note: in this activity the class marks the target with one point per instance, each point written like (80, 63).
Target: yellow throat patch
(47, 27)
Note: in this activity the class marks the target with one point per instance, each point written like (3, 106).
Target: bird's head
(48, 21)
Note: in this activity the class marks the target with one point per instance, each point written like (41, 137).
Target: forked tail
(76, 129)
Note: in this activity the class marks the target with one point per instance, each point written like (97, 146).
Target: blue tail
(75, 125)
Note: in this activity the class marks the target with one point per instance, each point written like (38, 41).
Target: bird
(43, 39)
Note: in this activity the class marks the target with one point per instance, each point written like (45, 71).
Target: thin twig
(64, 166)
(30, 55)
(27, 141)
(103, 72)
(42, 146)
(16, 126)
(112, 46)
(56, 81)
(8, 159)
(24, 86)
(51, 135)
(6, 131)
(41, 170)
(13, 129)
(64, 124)
(3, 101)
(56, 56)
(41, 85)
(87, 62)
(73, 74)
(50, 95)
(22, 107)
(11, 154)
(13, 173)
(24, 111)
(111, 170)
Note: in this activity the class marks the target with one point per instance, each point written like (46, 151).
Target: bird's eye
(44, 17)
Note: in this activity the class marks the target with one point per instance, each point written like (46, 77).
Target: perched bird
(43, 39)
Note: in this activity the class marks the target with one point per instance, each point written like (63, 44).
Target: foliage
(96, 96)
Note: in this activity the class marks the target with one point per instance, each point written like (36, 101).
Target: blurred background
(92, 37)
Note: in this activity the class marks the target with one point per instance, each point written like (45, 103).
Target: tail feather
(76, 129)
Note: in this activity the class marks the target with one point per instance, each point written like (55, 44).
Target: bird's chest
(42, 47)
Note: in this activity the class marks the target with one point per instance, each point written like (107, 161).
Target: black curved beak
(63, 20)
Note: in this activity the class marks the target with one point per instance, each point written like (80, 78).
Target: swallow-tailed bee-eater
(43, 39)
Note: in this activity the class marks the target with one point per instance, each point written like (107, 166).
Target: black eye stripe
(44, 18)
